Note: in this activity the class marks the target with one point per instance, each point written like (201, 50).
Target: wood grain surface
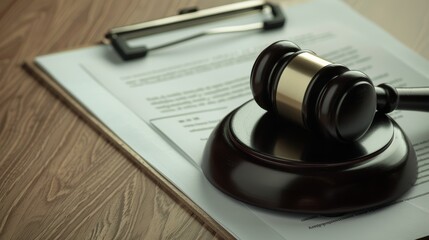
(59, 179)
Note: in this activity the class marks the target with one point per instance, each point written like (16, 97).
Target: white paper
(165, 106)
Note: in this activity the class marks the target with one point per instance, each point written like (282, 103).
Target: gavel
(326, 98)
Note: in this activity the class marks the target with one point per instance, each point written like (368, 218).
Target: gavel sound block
(254, 157)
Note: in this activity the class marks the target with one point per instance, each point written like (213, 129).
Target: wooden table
(59, 179)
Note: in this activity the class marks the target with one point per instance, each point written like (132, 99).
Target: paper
(165, 106)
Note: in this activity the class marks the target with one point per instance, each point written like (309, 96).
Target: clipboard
(118, 38)
(352, 22)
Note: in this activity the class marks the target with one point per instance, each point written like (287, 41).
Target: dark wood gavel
(325, 98)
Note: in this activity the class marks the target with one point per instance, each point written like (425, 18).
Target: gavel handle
(390, 98)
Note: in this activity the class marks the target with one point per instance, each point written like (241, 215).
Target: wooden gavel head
(326, 98)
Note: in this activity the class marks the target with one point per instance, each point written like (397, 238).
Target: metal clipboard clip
(120, 35)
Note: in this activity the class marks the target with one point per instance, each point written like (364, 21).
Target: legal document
(166, 105)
